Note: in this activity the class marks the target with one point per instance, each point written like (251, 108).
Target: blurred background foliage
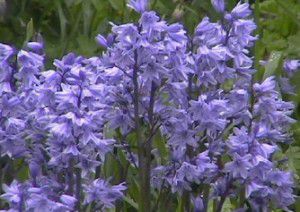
(71, 25)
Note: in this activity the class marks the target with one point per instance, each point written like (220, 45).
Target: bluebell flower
(280, 178)
(13, 193)
(241, 10)
(188, 172)
(103, 194)
(239, 167)
(198, 203)
(209, 33)
(206, 166)
(286, 86)
(63, 66)
(219, 5)
(255, 189)
(101, 40)
(30, 66)
(178, 182)
(291, 66)
(40, 202)
(61, 129)
(267, 88)
(68, 200)
(183, 136)
(240, 141)
(283, 197)
(36, 47)
(6, 78)
(210, 114)
(139, 6)
(222, 186)
(126, 34)
(6, 52)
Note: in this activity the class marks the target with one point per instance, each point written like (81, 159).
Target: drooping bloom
(139, 6)
(219, 5)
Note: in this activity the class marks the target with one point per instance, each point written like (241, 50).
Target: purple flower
(6, 52)
(37, 47)
(266, 88)
(240, 141)
(209, 113)
(240, 11)
(68, 200)
(291, 66)
(13, 193)
(198, 203)
(31, 64)
(206, 167)
(6, 78)
(40, 202)
(256, 189)
(239, 167)
(101, 41)
(219, 5)
(280, 178)
(139, 6)
(103, 194)
(283, 197)
(286, 86)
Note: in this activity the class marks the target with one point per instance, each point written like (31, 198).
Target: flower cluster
(222, 131)
(54, 120)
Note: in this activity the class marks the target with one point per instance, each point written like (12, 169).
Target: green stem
(78, 189)
(215, 205)
(242, 198)
(205, 197)
(185, 206)
(144, 168)
(70, 178)
(221, 203)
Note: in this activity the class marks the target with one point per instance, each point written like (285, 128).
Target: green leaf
(23, 173)
(117, 4)
(87, 16)
(87, 46)
(294, 45)
(272, 64)
(131, 202)
(297, 204)
(227, 207)
(29, 31)
(100, 6)
(62, 19)
(160, 144)
(293, 154)
(21, 169)
(179, 205)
